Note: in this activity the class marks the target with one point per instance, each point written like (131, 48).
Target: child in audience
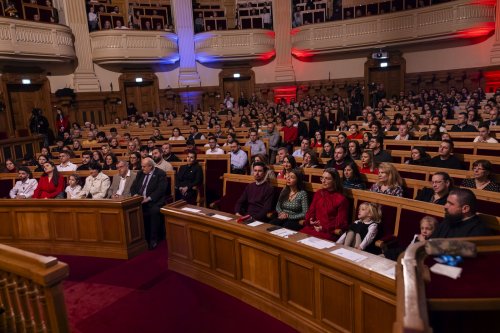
(362, 232)
(73, 189)
(427, 226)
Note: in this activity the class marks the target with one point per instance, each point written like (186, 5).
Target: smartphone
(274, 227)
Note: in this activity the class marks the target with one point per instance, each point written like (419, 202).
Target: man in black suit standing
(151, 184)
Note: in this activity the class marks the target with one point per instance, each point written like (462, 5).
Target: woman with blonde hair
(389, 181)
(363, 231)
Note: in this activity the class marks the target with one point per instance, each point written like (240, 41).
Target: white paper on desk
(255, 224)
(317, 243)
(222, 217)
(283, 232)
(449, 271)
(192, 210)
(349, 255)
(391, 272)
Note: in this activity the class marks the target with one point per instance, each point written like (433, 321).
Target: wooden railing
(31, 293)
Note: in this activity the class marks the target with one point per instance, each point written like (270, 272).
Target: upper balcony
(444, 22)
(35, 41)
(234, 45)
(117, 46)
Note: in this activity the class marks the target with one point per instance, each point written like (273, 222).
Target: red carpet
(142, 295)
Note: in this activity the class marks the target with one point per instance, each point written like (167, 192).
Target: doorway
(141, 94)
(236, 86)
(23, 98)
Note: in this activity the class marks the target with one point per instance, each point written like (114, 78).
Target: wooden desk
(309, 289)
(96, 228)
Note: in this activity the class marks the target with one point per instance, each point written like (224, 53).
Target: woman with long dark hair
(289, 164)
(292, 203)
(51, 184)
(329, 208)
(352, 177)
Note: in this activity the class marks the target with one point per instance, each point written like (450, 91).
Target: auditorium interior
(366, 120)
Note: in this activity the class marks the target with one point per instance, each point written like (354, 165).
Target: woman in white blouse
(176, 134)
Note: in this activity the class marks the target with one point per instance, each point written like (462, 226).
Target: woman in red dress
(329, 208)
(51, 184)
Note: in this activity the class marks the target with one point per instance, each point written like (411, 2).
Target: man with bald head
(151, 184)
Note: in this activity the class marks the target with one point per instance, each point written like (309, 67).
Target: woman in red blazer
(51, 184)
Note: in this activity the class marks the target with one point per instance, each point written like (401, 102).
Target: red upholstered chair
(228, 201)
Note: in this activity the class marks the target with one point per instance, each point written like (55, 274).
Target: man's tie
(144, 184)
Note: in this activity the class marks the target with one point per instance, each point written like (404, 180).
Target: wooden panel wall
(98, 228)
(312, 294)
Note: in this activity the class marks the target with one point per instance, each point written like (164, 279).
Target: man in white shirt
(160, 163)
(66, 164)
(214, 149)
(484, 135)
(239, 158)
(304, 145)
(120, 187)
(25, 186)
(256, 145)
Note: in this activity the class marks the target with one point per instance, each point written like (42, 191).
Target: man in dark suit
(122, 182)
(151, 184)
(189, 178)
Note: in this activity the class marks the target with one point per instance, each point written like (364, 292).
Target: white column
(84, 78)
(184, 28)
(282, 23)
(495, 51)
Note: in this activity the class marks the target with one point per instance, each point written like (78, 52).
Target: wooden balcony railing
(31, 296)
(251, 44)
(134, 47)
(454, 20)
(37, 41)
